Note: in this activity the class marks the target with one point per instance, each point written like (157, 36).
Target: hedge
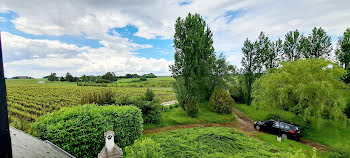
(80, 130)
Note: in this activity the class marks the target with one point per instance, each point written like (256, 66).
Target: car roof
(289, 123)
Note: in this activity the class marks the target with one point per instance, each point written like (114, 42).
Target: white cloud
(156, 18)
(38, 58)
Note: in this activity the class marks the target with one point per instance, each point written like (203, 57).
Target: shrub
(80, 130)
(149, 95)
(143, 78)
(145, 148)
(191, 108)
(151, 110)
(221, 101)
(99, 97)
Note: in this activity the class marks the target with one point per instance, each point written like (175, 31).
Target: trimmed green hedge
(80, 130)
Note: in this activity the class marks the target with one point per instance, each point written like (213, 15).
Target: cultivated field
(31, 98)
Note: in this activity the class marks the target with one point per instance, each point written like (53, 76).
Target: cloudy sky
(136, 36)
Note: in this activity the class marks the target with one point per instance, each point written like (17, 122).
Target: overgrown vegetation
(215, 142)
(221, 101)
(144, 148)
(79, 130)
(151, 108)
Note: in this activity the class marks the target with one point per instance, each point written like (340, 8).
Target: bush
(191, 108)
(143, 78)
(145, 148)
(149, 95)
(99, 97)
(80, 130)
(221, 101)
(151, 110)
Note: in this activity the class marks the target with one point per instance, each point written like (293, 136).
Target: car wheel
(284, 136)
(257, 128)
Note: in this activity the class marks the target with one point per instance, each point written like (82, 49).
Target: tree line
(108, 77)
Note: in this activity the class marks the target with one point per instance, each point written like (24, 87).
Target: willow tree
(196, 69)
(309, 88)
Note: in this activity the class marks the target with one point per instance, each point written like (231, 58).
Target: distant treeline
(109, 77)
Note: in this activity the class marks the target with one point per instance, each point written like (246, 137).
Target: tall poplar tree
(292, 46)
(196, 69)
(343, 53)
(251, 66)
(317, 44)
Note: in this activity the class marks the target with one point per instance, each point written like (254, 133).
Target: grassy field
(31, 98)
(330, 133)
(178, 116)
(217, 142)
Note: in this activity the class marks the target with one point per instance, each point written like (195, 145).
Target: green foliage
(151, 110)
(80, 130)
(292, 46)
(191, 108)
(196, 69)
(317, 44)
(236, 89)
(311, 88)
(343, 53)
(52, 77)
(221, 101)
(104, 96)
(143, 78)
(110, 76)
(144, 148)
(213, 142)
(149, 95)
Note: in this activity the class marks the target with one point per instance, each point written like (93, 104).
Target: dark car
(282, 128)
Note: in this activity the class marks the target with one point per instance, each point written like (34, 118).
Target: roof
(25, 145)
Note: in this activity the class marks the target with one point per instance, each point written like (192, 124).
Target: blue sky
(134, 36)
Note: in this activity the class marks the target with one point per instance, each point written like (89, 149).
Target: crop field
(31, 98)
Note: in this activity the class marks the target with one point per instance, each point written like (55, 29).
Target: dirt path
(242, 123)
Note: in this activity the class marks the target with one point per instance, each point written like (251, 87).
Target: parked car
(285, 129)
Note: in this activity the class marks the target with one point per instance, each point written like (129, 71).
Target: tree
(69, 77)
(309, 88)
(84, 78)
(343, 53)
(274, 53)
(292, 46)
(110, 76)
(196, 69)
(263, 52)
(317, 44)
(52, 77)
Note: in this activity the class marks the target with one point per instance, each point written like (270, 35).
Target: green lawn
(331, 133)
(178, 116)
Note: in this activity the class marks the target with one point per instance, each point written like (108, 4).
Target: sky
(93, 37)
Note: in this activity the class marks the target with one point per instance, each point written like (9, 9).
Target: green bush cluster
(143, 78)
(149, 95)
(221, 101)
(191, 108)
(104, 96)
(80, 130)
(151, 108)
(145, 148)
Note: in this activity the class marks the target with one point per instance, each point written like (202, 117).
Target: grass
(331, 133)
(214, 142)
(178, 116)
(151, 82)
